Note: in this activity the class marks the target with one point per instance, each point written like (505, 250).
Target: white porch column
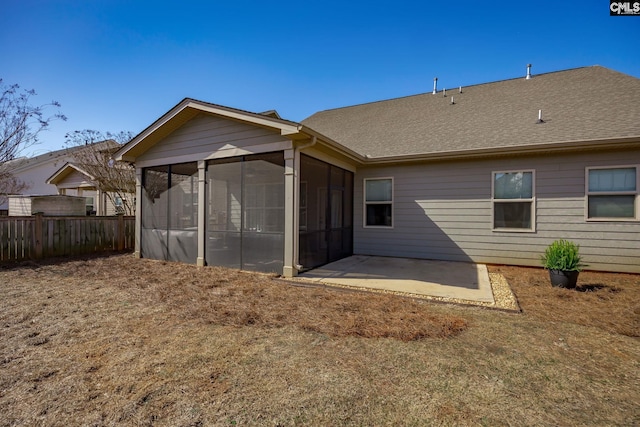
(99, 203)
(138, 231)
(290, 232)
(202, 211)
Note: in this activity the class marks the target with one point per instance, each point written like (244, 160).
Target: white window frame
(531, 200)
(636, 193)
(365, 203)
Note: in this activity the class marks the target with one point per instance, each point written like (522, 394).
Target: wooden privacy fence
(38, 236)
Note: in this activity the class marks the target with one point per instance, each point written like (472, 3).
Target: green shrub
(562, 255)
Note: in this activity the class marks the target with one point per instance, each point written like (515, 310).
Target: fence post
(38, 235)
(121, 234)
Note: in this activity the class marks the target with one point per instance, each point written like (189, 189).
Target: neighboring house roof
(66, 170)
(22, 164)
(591, 104)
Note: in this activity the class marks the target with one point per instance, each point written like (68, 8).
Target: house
(490, 173)
(75, 180)
(35, 171)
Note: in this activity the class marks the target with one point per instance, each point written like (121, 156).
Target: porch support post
(202, 210)
(296, 211)
(289, 268)
(97, 203)
(139, 213)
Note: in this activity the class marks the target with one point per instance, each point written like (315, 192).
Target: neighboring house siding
(74, 180)
(36, 178)
(205, 135)
(109, 204)
(444, 211)
(19, 206)
(35, 175)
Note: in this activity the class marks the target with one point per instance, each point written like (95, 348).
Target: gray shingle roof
(583, 104)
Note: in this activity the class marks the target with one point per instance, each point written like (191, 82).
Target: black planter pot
(563, 279)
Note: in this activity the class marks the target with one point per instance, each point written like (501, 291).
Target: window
(378, 202)
(612, 193)
(118, 204)
(89, 206)
(513, 201)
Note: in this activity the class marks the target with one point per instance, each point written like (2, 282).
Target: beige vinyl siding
(35, 176)
(19, 206)
(74, 180)
(443, 211)
(206, 136)
(109, 206)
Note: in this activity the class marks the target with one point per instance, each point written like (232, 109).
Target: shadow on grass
(37, 263)
(595, 287)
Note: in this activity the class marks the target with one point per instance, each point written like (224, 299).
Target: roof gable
(67, 170)
(188, 109)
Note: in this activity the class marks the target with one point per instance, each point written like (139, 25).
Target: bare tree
(94, 156)
(20, 124)
(9, 184)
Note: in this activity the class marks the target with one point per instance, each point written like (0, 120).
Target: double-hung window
(378, 202)
(612, 193)
(513, 199)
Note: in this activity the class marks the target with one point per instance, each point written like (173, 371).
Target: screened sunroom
(223, 187)
(245, 212)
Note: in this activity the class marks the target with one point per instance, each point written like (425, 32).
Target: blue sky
(119, 65)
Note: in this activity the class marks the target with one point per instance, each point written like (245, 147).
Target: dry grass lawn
(119, 341)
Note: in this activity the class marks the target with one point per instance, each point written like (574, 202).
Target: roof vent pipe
(435, 85)
(444, 92)
(528, 72)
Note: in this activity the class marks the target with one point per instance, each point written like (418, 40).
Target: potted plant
(563, 260)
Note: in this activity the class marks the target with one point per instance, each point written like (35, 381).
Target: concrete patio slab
(440, 279)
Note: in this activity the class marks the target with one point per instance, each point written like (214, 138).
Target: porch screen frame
(245, 221)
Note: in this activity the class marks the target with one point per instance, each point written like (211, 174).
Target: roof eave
(356, 157)
(578, 145)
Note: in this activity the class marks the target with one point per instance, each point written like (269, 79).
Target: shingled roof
(583, 104)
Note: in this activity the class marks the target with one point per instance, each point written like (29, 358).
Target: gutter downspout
(296, 203)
